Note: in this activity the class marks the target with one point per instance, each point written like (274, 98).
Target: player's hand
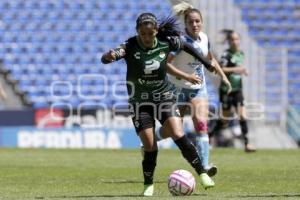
(241, 70)
(194, 79)
(228, 84)
(110, 56)
(213, 68)
(246, 72)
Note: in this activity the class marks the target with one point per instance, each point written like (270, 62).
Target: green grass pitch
(116, 174)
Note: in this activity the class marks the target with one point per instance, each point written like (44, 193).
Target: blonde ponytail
(181, 8)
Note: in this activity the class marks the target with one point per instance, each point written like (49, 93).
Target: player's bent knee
(176, 135)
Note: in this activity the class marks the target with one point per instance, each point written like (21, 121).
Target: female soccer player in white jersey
(194, 95)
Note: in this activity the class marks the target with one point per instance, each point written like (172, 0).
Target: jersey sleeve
(189, 48)
(120, 52)
(175, 42)
(176, 52)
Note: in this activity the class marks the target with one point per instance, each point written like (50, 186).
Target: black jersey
(146, 69)
(232, 59)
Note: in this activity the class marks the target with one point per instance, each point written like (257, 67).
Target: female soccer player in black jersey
(151, 94)
(232, 64)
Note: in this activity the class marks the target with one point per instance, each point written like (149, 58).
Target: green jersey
(146, 69)
(232, 59)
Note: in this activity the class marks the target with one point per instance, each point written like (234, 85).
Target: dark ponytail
(168, 26)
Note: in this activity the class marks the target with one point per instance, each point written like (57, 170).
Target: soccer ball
(181, 183)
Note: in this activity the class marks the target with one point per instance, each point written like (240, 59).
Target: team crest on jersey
(162, 54)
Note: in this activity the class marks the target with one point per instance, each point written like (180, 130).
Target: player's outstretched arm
(113, 55)
(108, 57)
(178, 44)
(192, 51)
(237, 70)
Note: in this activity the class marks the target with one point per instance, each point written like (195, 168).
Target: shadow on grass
(105, 195)
(266, 196)
(110, 195)
(199, 195)
(88, 196)
(127, 181)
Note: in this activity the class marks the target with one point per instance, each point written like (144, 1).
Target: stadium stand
(48, 42)
(275, 23)
(293, 123)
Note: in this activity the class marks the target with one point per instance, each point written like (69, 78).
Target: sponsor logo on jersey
(155, 82)
(194, 65)
(141, 81)
(137, 55)
(150, 66)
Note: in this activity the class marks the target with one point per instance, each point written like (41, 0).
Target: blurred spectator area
(53, 43)
(51, 49)
(276, 24)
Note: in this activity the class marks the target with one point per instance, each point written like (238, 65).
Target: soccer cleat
(206, 181)
(211, 171)
(249, 148)
(148, 190)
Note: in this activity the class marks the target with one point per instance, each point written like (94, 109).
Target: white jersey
(189, 64)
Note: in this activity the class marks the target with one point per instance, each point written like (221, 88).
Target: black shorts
(232, 99)
(144, 114)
